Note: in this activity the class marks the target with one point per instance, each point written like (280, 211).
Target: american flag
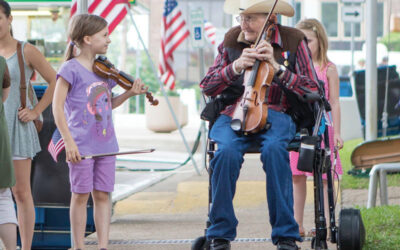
(173, 33)
(210, 32)
(56, 144)
(113, 11)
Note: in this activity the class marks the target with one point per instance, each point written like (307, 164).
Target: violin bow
(266, 23)
(120, 153)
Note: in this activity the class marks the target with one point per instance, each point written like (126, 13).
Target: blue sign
(197, 33)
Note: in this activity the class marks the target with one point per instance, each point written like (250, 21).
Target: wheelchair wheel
(351, 235)
(200, 243)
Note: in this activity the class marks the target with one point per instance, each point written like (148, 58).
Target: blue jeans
(226, 166)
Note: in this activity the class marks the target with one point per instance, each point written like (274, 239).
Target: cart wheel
(351, 235)
(200, 243)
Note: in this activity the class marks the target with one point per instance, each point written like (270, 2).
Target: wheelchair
(350, 234)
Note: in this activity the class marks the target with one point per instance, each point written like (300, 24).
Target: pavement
(161, 204)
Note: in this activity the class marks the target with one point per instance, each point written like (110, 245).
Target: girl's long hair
(319, 30)
(80, 26)
(6, 10)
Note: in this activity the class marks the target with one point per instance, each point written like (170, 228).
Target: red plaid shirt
(221, 75)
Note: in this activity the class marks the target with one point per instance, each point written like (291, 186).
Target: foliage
(382, 227)
(354, 182)
(394, 43)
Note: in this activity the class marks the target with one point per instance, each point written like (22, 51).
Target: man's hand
(263, 52)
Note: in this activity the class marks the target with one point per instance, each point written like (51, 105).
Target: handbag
(31, 94)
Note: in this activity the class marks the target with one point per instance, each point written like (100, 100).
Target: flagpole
(163, 90)
(82, 7)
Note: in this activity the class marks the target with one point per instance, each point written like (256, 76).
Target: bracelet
(281, 70)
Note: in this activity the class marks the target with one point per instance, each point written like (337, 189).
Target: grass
(351, 181)
(382, 224)
(382, 227)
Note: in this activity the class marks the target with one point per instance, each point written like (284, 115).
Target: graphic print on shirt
(99, 105)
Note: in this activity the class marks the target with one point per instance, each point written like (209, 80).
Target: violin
(104, 68)
(251, 112)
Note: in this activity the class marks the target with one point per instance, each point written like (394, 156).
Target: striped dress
(294, 156)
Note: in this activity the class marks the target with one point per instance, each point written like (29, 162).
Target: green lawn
(352, 182)
(382, 227)
(382, 223)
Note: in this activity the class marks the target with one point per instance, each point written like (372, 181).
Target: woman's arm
(137, 88)
(36, 60)
(333, 83)
(60, 94)
(5, 93)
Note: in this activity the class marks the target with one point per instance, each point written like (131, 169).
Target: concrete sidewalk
(166, 207)
(171, 213)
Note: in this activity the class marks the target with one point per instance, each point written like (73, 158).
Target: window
(330, 18)
(380, 17)
(298, 12)
(347, 29)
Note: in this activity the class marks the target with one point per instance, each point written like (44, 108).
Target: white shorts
(7, 210)
(17, 158)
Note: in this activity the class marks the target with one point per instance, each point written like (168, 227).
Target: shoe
(220, 244)
(287, 244)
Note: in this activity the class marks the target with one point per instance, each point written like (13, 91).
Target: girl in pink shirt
(327, 72)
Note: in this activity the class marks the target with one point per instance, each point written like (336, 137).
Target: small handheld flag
(56, 145)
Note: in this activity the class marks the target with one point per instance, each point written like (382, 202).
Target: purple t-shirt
(88, 109)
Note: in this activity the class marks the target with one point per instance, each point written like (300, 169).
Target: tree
(394, 43)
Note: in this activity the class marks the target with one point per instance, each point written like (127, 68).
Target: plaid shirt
(221, 75)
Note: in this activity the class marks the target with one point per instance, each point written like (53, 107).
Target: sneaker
(287, 244)
(220, 244)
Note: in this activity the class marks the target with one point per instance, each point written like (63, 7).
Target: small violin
(104, 68)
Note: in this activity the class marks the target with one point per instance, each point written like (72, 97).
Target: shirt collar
(275, 38)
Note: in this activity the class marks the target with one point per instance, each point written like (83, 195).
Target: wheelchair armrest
(294, 145)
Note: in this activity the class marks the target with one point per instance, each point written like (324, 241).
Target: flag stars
(169, 6)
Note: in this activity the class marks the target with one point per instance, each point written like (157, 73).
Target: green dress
(7, 178)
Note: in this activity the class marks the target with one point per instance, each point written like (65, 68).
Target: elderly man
(290, 58)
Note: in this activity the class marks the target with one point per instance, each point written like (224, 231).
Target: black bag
(307, 148)
(302, 112)
(217, 104)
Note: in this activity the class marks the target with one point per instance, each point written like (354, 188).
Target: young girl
(326, 71)
(82, 108)
(21, 129)
(8, 220)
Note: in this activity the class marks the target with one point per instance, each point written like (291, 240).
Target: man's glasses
(246, 19)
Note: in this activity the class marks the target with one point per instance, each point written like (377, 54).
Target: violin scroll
(151, 99)
(104, 68)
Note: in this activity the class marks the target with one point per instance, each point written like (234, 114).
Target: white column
(311, 9)
(371, 72)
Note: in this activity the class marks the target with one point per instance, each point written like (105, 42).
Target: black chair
(392, 98)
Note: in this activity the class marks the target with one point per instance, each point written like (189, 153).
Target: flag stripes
(210, 32)
(173, 33)
(113, 11)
